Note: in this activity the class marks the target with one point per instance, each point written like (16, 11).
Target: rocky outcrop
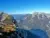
(7, 22)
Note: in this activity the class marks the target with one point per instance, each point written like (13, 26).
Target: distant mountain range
(19, 16)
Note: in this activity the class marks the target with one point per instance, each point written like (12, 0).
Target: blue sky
(24, 6)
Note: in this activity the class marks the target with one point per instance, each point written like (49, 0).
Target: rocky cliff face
(35, 20)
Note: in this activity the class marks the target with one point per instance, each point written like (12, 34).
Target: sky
(24, 6)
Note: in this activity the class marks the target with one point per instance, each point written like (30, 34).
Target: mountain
(38, 21)
(34, 21)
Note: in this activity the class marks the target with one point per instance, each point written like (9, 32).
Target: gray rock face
(36, 21)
